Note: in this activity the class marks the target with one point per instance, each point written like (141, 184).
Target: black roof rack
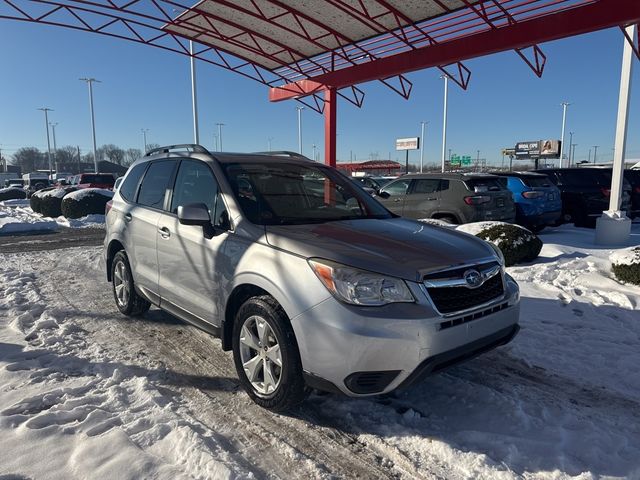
(283, 153)
(183, 146)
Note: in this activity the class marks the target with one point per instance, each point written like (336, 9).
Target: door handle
(127, 217)
(164, 232)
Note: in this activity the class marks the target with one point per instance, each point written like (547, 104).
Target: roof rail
(183, 146)
(282, 153)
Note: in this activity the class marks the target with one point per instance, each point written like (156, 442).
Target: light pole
(90, 82)
(55, 147)
(220, 125)
(215, 142)
(589, 161)
(194, 97)
(570, 143)
(444, 119)
(573, 154)
(314, 151)
(144, 138)
(46, 125)
(422, 124)
(564, 120)
(595, 153)
(299, 109)
(269, 140)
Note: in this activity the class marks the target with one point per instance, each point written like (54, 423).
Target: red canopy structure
(314, 51)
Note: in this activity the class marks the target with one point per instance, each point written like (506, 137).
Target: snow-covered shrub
(48, 201)
(12, 193)
(516, 243)
(625, 265)
(85, 202)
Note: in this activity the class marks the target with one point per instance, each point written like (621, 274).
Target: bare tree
(112, 152)
(131, 155)
(67, 154)
(29, 159)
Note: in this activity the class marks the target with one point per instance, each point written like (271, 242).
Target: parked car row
(32, 182)
(532, 199)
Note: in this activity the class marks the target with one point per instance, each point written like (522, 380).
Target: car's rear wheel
(266, 355)
(127, 299)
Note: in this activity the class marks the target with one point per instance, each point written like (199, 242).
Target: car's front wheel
(127, 299)
(266, 355)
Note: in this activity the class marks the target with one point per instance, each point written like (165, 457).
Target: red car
(94, 180)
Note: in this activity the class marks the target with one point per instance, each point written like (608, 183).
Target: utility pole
(144, 139)
(55, 147)
(194, 96)
(570, 143)
(299, 109)
(46, 125)
(220, 125)
(444, 120)
(595, 153)
(564, 119)
(422, 124)
(90, 82)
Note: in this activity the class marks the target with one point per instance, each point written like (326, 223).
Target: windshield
(294, 194)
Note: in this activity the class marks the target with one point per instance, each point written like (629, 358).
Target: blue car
(537, 199)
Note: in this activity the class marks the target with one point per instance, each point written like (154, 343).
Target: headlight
(359, 287)
(498, 252)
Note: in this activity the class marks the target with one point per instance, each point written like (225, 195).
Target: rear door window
(155, 184)
(429, 185)
(484, 184)
(533, 182)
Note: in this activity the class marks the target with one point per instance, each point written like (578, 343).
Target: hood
(398, 247)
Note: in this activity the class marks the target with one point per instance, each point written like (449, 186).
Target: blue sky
(145, 87)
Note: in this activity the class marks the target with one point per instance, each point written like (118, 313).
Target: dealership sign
(538, 149)
(412, 143)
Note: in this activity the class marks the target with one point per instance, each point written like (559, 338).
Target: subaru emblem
(473, 278)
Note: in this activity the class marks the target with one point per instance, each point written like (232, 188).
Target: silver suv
(308, 279)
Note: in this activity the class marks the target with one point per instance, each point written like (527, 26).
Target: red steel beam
(330, 130)
(576, 21)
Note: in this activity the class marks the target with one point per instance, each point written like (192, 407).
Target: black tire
(448, 218)
(291, 389)
(133, 305)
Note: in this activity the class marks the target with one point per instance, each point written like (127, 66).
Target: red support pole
(330, 104)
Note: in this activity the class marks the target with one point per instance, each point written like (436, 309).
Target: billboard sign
(412, 143)
(537, 149)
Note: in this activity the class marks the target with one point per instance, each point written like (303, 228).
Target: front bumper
(363, 351)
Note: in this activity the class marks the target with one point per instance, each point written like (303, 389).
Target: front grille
(455, 299)
(472, 316)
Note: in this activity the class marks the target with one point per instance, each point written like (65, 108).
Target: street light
(564, 119)
(422, 124)
(144, 138)
(444, 119)
(570, 143)
(90, 82)
(269, 140)
(595, 153)
(46, 125)
(314, 151)
(194, 98)
(299, 109)
(220, 125)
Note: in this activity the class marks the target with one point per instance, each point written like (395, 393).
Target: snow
(84, 192)
(54, 192)
(19, 218)
(628, 256)
(86, 393)
(15, 203)
(476, 227)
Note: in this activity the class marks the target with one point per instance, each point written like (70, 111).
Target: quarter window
(155, 184)
(130, 183)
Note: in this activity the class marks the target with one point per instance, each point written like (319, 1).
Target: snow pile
(625, 265)
(476, 227)
(85, 192)
(627, 256)
(94, 220)
(23, 220)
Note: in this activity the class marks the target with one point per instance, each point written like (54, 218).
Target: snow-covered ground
(87, 393)
(17, 217)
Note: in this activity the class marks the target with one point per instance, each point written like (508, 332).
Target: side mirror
(194, 214)
(383, 194)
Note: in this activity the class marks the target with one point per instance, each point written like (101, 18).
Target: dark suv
(454, 197)
(633, 176)
(585, 193)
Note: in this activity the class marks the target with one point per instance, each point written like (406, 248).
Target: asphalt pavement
(62, 238)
